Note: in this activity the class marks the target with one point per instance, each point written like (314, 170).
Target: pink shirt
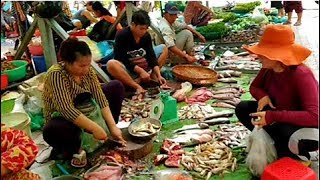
(294, 93)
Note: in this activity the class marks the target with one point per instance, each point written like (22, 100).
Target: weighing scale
(164, 108)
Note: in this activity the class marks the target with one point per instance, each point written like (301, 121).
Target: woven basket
(197, 75)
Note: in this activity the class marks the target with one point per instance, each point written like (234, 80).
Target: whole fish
(192, 126)
(224, 113)
(230, 86)
(222, 104)
(214, 121)
(226, 90)
(234, 101)
(187, 137)
(229, 73)
(224, 96)
(227, 80)
(196, 131)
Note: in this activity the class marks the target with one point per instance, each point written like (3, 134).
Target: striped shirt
(60, 90)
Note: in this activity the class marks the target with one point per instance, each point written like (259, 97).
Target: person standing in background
(278, 5)
(289, 6)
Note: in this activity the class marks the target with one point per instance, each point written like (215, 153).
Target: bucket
(36, 50)
(39, 63)
(17, 120)
(7, 106)
(81, 32)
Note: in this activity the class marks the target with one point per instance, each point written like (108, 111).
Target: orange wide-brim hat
(278, 43)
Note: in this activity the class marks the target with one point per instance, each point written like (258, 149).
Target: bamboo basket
(196, 75)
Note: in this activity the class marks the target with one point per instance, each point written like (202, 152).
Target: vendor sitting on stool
(178, 36)
(76, 107)
(136, 60)
(287, 95)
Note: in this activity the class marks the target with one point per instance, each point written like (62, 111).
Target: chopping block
(136, 149)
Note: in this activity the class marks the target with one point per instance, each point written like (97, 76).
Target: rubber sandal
(287, 23)
(297, 24)
(79, 160)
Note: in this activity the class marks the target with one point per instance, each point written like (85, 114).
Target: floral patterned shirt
(18, 150)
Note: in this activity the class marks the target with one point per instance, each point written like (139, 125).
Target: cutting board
(134, 149)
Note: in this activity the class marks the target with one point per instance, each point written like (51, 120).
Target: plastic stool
(287, 169)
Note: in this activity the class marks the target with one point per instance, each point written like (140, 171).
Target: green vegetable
(246, 7)
(213, 31)
(226, 16)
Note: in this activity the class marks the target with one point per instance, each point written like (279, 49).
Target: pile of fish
(145, 129)
(199, 56)
(195, 111)
(205, 114)
(238, 65)
(105, 173)
(193, 134)
(135, 109)
(210, 159)
(227, 96)
(250, 57)
(198, 47)
(171, 154)
(232, 135)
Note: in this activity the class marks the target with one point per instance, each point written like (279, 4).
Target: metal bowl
(139, 122)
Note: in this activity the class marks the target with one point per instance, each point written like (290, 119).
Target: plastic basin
(17, 120)
(7, 106)
(81, 32)
(36, 50)
(18, 73)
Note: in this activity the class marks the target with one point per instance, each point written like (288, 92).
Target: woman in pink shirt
(286, 94)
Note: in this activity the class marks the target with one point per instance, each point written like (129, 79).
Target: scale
(164, 108)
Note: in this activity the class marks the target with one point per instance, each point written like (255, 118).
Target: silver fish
(192, 126)
(222, 104)
(227, 80)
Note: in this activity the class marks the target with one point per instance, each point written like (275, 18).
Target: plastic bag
(166, 73)
(33, 106)
(43, 170)
(18, 105)
(106, 49)
(180, 95)
(259, 17)
(261, 151)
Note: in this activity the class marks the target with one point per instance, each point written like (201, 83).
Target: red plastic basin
(36, 50)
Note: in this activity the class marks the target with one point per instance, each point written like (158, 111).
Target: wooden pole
(114, 25)
(129, 10)
(26, 39)
(47, 42)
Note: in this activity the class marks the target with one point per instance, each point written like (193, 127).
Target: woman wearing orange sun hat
(286, 94)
